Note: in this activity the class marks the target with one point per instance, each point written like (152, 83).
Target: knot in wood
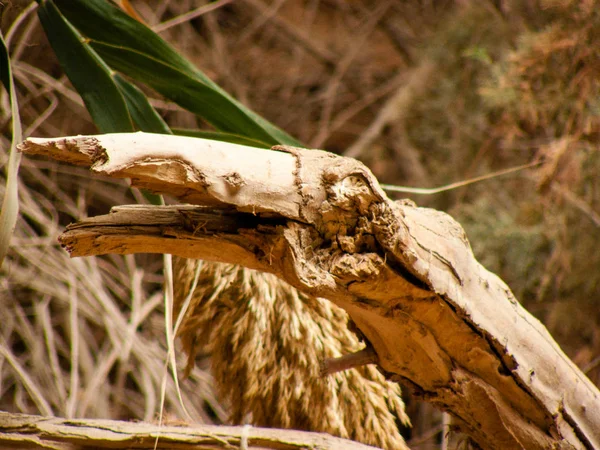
(348, 268)
(234, 181)
(351, 193)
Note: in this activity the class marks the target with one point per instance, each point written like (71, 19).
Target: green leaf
(104, 22)
(10, 202)
(88, 73)
(113, 102)
(135, 50)
(220, 136)
(142, 112)
(184, 90)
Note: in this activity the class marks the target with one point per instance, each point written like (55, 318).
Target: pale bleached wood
(37, 432)
(437, 320)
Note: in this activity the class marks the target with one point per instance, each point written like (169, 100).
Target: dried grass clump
(549, 84)
(82, 337)
(266, 340)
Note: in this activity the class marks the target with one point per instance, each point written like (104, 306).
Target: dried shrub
(266, 341)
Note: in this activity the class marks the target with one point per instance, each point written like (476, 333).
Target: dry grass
(266, 341)
(505, 85)
(82, 337)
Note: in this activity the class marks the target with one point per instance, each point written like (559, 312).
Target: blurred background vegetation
(425, 93)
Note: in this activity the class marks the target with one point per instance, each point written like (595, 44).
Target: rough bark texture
(35, 432)
(406, 275)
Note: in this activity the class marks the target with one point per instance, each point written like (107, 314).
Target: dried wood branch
(27, 431)
(436, 319)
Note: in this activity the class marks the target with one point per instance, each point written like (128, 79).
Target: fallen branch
(435, 318)
(27, 431)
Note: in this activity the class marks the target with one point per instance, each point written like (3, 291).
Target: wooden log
(436, 319)
(37, 432)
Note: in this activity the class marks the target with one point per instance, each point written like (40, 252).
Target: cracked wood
(436, 319)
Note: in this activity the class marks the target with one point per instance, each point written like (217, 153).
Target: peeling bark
(436, 319)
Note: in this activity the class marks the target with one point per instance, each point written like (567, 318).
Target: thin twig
(578, 203)
(331, 93)
(193, 14)
(449, 187)
(73, 399)
(297, 35)
(360, 358)
(258, 22)
(36, 394)
(15, 26)
(394, 109)
(372, 96)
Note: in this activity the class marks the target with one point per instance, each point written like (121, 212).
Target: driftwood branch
(435, 318)
(27, 431)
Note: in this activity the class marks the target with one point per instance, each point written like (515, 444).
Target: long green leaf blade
(183, 89)
(10, 202)
(220, 136)
(122, 40)
(142, 112)
(88, 73)
(104, 22)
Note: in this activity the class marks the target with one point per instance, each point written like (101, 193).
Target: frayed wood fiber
(266, 340)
